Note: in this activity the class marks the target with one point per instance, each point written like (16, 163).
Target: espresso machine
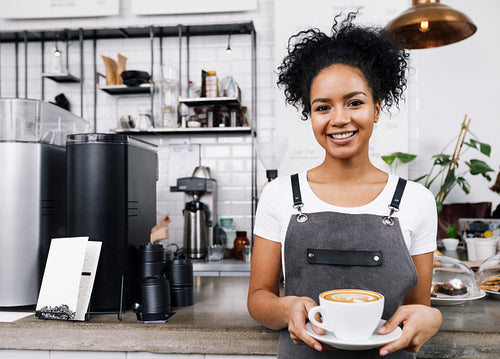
(199, 212)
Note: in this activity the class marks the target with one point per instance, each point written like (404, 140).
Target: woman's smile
(340, 138)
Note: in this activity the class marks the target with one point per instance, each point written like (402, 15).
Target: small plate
(444, 299)
(375, 341)
(493, 293)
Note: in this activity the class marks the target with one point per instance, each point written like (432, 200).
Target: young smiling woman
(345, 205)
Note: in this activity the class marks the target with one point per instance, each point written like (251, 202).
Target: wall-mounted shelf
(194, 130)
(202, 101)
(61, 77)
(126, 90)
(130, 32)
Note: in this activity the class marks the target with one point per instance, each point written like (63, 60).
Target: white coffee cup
(351, 314)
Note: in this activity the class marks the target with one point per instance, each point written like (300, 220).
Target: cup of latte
(350, 314)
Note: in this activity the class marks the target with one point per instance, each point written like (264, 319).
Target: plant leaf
(405, 157)
(439, 206)
(441, 159)
(485, 149)
(472, 143)
(419, 178)
(449, 181)
(464, 185)
(452, 231)
(479, 167)
(389, 159)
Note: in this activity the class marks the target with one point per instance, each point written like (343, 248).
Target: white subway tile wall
(228, 156)
(229, 159)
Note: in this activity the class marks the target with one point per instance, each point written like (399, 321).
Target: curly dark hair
(371, 50)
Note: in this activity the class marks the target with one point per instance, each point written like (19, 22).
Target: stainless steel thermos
(195, 229)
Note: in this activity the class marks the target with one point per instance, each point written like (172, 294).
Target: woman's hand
(297, 317)
(420, 324)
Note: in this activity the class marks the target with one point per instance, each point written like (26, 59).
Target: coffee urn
(199, 212)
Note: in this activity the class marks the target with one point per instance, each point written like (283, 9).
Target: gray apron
(329, 250)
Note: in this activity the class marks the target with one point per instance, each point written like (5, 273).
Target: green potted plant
(448, 171)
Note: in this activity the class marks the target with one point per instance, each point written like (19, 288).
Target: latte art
(351, 296)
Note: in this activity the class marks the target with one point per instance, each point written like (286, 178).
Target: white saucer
(444, 299)
(375, 341)
(493, 293)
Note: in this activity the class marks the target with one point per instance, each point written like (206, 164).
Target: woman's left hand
(420, 323)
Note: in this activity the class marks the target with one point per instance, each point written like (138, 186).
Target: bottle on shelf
(190, 90)
(240, 241)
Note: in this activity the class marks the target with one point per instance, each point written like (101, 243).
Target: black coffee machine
(111, 197)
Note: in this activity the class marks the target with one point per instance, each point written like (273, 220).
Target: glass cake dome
(488, 275)
(452, 279)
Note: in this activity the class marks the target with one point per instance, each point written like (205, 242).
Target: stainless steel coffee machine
(199, 212)
(32, 191)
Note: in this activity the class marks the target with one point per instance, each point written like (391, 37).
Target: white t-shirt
(417, 212)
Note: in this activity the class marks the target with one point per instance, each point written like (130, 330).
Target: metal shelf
(130, 32)
(184, 131)
(126, 90)
(201, 101)
(61, 77)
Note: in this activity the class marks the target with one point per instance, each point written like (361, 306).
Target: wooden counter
(219, 323)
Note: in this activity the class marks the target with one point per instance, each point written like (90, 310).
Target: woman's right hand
(266, 305)
(297, 318)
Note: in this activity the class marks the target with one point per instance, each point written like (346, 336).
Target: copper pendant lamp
(429, 23)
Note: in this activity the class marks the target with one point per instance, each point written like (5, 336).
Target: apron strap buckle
(301, 217)
(388, 220)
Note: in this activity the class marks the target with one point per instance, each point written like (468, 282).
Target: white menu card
(68, 278)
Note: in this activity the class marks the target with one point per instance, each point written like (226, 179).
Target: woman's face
(343, 111)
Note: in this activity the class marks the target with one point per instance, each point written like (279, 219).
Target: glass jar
(227, 232)
(169, 97)
(240, 241)
(211, 84)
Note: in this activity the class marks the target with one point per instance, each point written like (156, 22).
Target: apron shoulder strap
(297, 197)
(398, 194)
(396, 201)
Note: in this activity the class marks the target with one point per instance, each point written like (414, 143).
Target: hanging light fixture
(228, 49)
(428, 23)
(57, 52)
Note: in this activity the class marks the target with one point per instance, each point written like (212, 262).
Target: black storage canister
(155, 300)
(180, 275)
(152, 260)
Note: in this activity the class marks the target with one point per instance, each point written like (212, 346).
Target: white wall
(445, 84)
(460, 79)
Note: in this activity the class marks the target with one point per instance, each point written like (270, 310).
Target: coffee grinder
(199, 211)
